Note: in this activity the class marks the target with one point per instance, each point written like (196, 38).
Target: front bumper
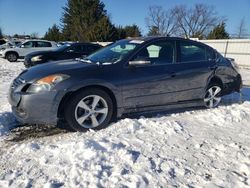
(35, 108)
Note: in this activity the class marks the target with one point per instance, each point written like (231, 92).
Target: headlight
(37, 58)
(46, 83)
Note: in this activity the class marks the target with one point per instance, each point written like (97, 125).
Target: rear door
(195, 64)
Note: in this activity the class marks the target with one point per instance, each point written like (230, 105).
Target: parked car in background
(67, 51)
(130, 76)
(10, 44)
(3, 43)
(12, 54)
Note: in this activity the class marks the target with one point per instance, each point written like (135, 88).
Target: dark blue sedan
(130, 76)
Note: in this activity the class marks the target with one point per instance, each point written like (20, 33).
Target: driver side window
(157, 53)
(28, 44)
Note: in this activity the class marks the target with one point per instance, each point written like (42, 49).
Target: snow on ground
(195, 148)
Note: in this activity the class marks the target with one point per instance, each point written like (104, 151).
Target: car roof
(154, 38)
(84, 43)
(37, 40)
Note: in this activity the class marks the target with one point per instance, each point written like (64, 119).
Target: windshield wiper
(84, 60)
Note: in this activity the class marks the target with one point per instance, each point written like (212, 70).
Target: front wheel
(213, 96)
(89, 109)
(11, 57)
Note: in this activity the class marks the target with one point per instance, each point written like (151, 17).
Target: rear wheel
(89, 109)
(12, 57)
(213, 96)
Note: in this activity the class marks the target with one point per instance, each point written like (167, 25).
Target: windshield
(114, 52)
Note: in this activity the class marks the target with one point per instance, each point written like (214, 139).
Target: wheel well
(10, 53)
(70, 94)
(216, 80)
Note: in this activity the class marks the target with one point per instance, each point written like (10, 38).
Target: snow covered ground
(195, 148)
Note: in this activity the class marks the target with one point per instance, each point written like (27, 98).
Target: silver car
(12, 54)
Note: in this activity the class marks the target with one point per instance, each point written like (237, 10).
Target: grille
(17, 82)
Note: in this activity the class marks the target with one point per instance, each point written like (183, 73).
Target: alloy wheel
(212, 97)
(12, 57)
(91, 111)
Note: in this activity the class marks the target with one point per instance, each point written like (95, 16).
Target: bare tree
(160, 21)
(195, 22)
(34, 35)
(242, 31)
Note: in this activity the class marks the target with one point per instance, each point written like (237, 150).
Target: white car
(12, 54)
(9, 44)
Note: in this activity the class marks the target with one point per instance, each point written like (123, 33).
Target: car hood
(69, 67)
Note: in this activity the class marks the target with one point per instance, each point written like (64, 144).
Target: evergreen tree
(219, 32)
(128, 31)
(154, 31)
(121, 33)
(53, 34)
(132, 31)
(103, 30)
(86, 20)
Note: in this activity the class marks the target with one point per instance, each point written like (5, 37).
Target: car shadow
(25, 132)
(16, 132)
(227, 100)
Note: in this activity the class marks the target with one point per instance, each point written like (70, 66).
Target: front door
(151, 83)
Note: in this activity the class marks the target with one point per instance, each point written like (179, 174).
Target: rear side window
(190, 52)
(41, 44)
(210, 54)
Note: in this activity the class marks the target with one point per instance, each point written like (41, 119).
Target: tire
(212, 96)
(11, 57)
(89, 109)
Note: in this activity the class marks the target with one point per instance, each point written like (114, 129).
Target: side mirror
(139, 63)
(22, 46)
